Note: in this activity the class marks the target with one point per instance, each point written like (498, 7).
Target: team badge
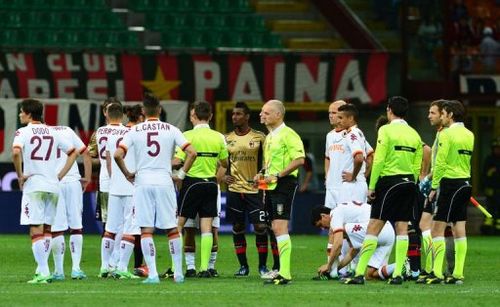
(251, 144)
(280, 209)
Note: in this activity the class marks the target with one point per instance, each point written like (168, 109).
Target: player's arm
(108, 162)
(17, 159)
(379, 158)
(369, 164)
(440, 164)
(338, 238)
(358, 160)
(417, 160)
(93, 150)
(309, 174)
(188, 160)
(87, 169)
(327, 166)
(72, 155)
(118, 156)
(350, 255)
(426, 161)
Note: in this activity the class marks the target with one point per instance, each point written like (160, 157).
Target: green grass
(17, 265)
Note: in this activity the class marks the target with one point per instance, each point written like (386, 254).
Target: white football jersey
(153, 144)
(39, 144)
(101, 136)
(118, 184)
(69, 135)
(357, 232)
(349, 213)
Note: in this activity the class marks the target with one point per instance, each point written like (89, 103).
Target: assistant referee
(396, 167)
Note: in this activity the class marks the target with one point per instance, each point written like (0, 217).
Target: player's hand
(371, 195)
(347, 177)
(84, 182)
(22, 180)
(256, 179)
(323, 269)
(271, 179)
(432, 196)
(303, 188)
(228, 179)
(130, 177)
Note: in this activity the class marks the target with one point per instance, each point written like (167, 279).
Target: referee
(396, 167)
(283, 155)
(198, 195)
(450, 176)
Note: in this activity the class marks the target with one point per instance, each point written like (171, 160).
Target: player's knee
(57, 234)
(76, 231)
(260, 229)
(109, 235)
(238, 228)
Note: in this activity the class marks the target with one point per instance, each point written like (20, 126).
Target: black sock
(138, 257)
(275, 251)
(261, 243)
(240, 246)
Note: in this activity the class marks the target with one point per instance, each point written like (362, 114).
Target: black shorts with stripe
(453, 196)
(394, 198)
(198, 196)
(240, 204)
(278, 202)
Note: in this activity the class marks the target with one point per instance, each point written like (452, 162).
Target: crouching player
(352, 220)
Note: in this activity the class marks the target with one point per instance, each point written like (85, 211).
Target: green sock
(367, 250)
(439, 253)
(206, 247)
(401, 251)
(285, 250)
(460, 252)
(427, 250)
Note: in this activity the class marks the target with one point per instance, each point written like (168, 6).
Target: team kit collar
(399, 121)
(201, 126)
(278, 129)
(35, 123)
(457, 124)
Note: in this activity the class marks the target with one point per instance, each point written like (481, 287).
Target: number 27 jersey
(153, 145)
(39, 144)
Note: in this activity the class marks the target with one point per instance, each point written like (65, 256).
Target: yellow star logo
(159, 86)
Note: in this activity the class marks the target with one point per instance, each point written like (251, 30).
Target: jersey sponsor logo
(337, 148)
(404, 148)
(465, 152)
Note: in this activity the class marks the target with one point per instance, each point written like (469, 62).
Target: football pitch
(481, 287)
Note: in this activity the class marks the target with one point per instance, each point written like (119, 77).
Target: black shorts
(198, 197)
(394, 198)
(454, 194)
(279, 201)
(240, 203)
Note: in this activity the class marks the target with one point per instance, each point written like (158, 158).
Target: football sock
(75, 245)
(48, 245)
(261, 243)
(58, 253)
(149, 251)
(138, 258)
(126, 249)
(38, 246)
(386, 271)
(285, 252)
(115, 254)
(175, 244)
(240, 246)
(190, 259)
(460, 253)
(213, 258)
(275, 251)
(206, 246)
(367, 250)
(400, 257)
(439, 253)
(107, 245)
(427, 248)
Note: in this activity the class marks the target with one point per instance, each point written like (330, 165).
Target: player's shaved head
(333, 109)
(278, 106)
(338, 103)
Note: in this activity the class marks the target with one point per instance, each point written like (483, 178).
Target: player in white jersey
(119, 200)
(152, 143)
(351, 220)
(34, 156)
(70, 207)
(350, 159)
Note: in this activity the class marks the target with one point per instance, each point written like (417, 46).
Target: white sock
(176, 253)
(149, 252)
(38, 248)
(212, 260)
(75, 246)
(48, 247)
(115, 256)
(190, 260)
(58, 248)
(107, 245)
(386, 270)
(126, 249)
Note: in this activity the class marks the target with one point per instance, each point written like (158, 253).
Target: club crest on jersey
(353, 137)
(357, 228)
(280, 209)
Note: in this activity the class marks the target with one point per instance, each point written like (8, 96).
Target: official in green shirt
(450, 176)
(198, 195)
(283, 155)
(392, 189)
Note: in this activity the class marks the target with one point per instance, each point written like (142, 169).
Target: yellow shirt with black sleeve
(454, 154)
(282, 146)
(210, 147)
(245, 159)
(398, 152)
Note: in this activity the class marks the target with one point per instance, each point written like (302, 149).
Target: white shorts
(333, 198)
(69, 207)
(195, 223)
(385, 243)
(121, 215)
(155, 206)
(38, 208)
(356, 191)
